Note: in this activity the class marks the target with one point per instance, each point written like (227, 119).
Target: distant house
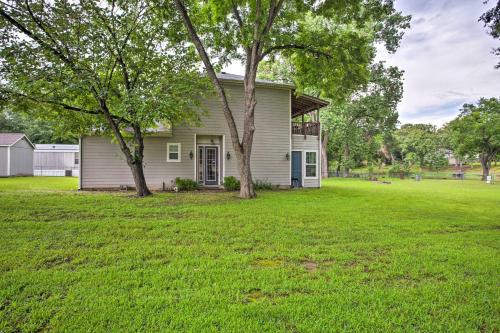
(16, 155)
(286, 148)
(56, 160)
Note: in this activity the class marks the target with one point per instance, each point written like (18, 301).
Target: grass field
(353, 256)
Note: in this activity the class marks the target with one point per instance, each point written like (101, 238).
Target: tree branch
(306, 48)
(65, 59)
(62, 105)
(37, 39)
(42, 27)
(210, 71)
(274, 9)
(237, 16)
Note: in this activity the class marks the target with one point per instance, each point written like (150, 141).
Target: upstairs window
(173, 152)
(311, 164)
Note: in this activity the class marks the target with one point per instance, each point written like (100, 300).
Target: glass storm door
(211, 166)
(208, 165)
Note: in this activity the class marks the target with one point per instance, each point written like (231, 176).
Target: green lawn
(352, 256)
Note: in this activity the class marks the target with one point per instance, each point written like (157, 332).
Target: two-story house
(286, 150)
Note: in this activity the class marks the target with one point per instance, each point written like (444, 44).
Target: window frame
(306, 164)
(169, 144)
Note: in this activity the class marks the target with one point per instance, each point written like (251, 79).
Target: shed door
(296, 168)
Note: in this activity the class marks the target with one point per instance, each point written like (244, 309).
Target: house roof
(301, 104)
(259, 82)
(304, 104)
(10, 139)
(58, 148)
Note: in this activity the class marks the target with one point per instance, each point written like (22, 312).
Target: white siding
(310, 143)
(21, 158)
(104, 166)
(271, 137)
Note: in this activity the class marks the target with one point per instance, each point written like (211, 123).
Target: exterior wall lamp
(191, 154)
(228, 156)
(287, 156)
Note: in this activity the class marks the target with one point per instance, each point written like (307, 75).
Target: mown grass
(352, 256)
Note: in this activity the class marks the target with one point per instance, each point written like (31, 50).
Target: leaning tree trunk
(324, 155)
(134, 159)
(139, 179)
(137, 165)
(242, 150)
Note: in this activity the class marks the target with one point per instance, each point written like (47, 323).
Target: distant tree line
(37, 130)
(474, 135)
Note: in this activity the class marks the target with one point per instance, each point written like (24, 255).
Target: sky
(447, 59)
(446, 56)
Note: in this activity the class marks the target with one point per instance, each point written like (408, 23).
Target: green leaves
(87, 54)
(491, 19)
(476, 130)
(420, 145)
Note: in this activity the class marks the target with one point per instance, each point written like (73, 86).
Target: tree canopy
(109, 66)
(357, 126)
(420, 145)
(476, 131)
(491, 20)
(329, 43)
(37, 130)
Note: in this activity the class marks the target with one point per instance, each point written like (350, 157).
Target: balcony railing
(305, 128)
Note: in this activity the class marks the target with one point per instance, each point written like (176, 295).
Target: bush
(262, 185)
(186, 184)
(231, 183)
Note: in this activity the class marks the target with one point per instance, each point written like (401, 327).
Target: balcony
(305, 128)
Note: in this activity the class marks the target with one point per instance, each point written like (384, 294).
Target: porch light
(191, 154)
(228, 156)
(287, 156)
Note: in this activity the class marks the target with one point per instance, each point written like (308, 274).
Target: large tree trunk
(324, 155)
(254, 54)
(134, 159)
(246, 184)
(486, 164)
(138, 166)
(139, 180)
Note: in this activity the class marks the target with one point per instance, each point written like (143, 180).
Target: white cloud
(447, 59)
(446, 56)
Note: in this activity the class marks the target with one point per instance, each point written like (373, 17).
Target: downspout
(319, 160)
(80, 154)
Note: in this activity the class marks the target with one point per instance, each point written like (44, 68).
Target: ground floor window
(173, 152)
(311, 164)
